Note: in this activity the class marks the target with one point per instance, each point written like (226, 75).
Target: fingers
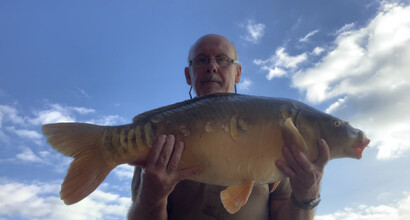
(166, 152)
(176, 157)
(165, 156)
(155, 151)
(324, 153)
(300, 162)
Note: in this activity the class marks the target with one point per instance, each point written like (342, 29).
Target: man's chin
(209, 89)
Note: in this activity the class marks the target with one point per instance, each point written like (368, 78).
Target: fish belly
(228, 158)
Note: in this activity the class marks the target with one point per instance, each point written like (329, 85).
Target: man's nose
(212, 66)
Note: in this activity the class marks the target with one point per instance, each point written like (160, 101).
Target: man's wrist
(305, 205)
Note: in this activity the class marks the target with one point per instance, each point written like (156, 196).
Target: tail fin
(88, 169)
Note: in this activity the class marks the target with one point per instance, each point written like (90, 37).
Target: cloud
(83, 110)
(28, 134)
(279, 63)
(396, 211)
(369, 67)
(254, 32)
(124, 171)
(56, 113)
(28, 156)
(365, 77)
(310, 34)
(39, 200)
(317, 51)
(345, 28)
(244, 85)
(9, 113)
(85, 94)
(108, 120)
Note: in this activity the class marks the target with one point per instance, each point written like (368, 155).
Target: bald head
(213, 39)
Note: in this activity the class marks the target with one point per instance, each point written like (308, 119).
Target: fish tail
(90, 167)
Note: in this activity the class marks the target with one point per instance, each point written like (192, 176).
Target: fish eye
(337, 123)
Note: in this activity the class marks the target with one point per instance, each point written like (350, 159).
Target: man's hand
(161, 173)
(304, 175)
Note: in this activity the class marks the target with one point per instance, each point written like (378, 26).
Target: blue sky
(104, 62)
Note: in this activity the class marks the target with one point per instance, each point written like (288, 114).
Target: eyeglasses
(201, 61)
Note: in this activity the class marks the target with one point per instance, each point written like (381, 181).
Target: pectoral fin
(292, 135)
(234, 197)
(275, 185)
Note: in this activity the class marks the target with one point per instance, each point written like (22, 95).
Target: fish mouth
(359, 146)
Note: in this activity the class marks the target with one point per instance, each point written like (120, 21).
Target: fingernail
(322, 141)
(162, 137)
(171, 137)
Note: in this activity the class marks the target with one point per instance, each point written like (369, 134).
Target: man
(160, 191)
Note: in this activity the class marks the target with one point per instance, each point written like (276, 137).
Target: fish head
(343, 139)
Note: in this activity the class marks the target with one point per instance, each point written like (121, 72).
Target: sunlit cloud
(307, 37)
(32, 135)
(10, 113)
(254, 32)
(369, 68)
(366, 76)
(124, 171)
(395, 211)
(109, 120)
(41, 201)
(245, 85)
(280, 63)
(29, 156)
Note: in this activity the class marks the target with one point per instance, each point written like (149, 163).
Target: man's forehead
(213, 44)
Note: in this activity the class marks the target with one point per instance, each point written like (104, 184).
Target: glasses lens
(222, 61)
(200, 61)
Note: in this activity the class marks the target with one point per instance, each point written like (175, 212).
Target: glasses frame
(209, 59)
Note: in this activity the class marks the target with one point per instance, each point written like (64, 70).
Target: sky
(103, 62)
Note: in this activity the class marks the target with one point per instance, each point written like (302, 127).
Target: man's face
(212, 78)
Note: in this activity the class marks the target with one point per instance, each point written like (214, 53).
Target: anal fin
(236, 196)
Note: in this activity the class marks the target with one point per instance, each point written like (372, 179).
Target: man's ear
(238, 73)
(188, 76)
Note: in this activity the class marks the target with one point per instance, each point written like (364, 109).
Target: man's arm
(305, 177)
(159, 178)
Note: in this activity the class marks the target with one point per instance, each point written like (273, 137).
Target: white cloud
(28, 156)
(310, 34)
(83, 110)
(275, 72)
(244, 85)
(56, 113)
(345, 28)
(9, 113)
(41, 201)
(369, 67)
(108, 120)
(366, 76)
(279, 63)
(396, 211)
(317, 51)
(29, 134)
(254, 32)
(124, 171)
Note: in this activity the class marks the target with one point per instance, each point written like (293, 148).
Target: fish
(235, 138)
